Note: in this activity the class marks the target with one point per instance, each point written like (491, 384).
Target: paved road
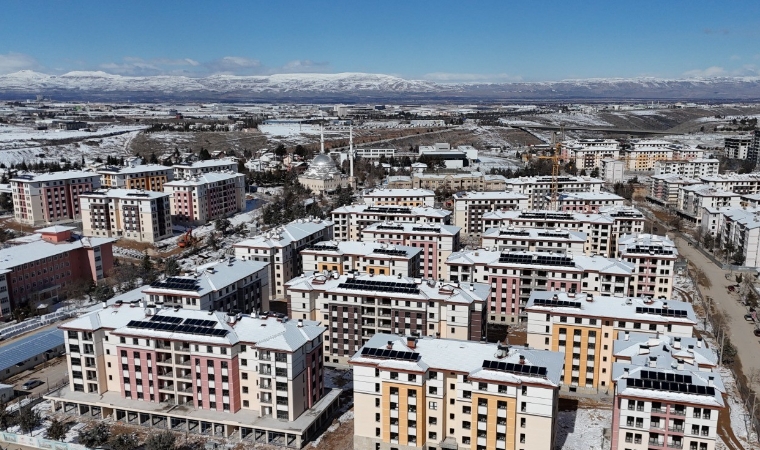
(741, 331)
(591, 128)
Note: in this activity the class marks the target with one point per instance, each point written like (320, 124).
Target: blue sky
(450, 41)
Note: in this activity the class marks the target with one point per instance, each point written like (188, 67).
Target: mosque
(322, 176)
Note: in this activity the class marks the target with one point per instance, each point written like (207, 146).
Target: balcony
(676, 429)
(676, 412)
(656, 443)
(183, 362)
(675, 445)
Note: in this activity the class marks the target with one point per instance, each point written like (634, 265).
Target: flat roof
(421, 228)
(209, 177)
(134, 169)
(52, 176)
(387, 192)
(382, 251)
(125, 194)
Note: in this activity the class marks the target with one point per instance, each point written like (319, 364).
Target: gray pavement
(741, 332)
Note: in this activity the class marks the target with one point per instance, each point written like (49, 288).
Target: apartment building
(739, 231)
(694, 198)
(39, 267)
(737, 147)
(227, 285)
(281, 248)
(665, 408)
(753, 152)
(457, 182)
(644, 153)
(435, 241)
(587, 154)
(200, 199)
(611, 170)
(136, 215)
(430, 393)
(375, 153)
(584, 327)
(538, 188)
(368, 257)
(664, 189)
(587, 202)
(654, 258)
(357, 306)
(602, 230)
(746, 183)
(183, 171)
(688, 169)
(50, 198)
(512, 239)
(514, 275)
(351, 220)
(469, 207)
(210, 373)
(399, 197)
(150, 177)
(664, 352)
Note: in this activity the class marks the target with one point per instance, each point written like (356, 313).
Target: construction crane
(554, 158)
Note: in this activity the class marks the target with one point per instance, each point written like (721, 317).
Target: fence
(33, 399)
(38, 442)
(719, 326)
(33, 323)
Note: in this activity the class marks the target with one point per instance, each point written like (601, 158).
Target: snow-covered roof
(386, 192)
(392, 210)
(545, 260)
(419, 228)
(206, 163)
(212, 277)
(663, 351)
(490, 195)
(378, 250)
(52, 176)
(585, 196)
(209, 177)
(125, 194)
(17, 255)
(535, 234)
(286, 235)
(622, 308)
(142, 168)
(646, 243)
(651, 383)
(472, 358)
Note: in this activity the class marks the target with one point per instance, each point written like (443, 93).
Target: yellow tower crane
(554, 158)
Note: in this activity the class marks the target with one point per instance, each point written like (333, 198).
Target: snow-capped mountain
(360, 87)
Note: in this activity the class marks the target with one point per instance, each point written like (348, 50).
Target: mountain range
(363, 87)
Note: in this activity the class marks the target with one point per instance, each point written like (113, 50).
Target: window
(433, 420)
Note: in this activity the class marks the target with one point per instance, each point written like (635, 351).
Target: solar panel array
(390, 354)
(662, 312)
(388, 210)
(390, 227)
(325, 247)
(664, 376)
(167, 319)
(546, 215)
(657, 250)
(200, 323)
(518, 369)
(553, 233)
(177, 328)
(392, 252)
(382, 286)
(426, 229)
(668, 386)
(533, 259)
(559, 303)
(180, 284)
(513, 233)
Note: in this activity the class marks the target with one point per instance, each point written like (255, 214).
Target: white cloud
(13, 62)
(304, 65)
(234, 65)
(449, 77)
(713, 71)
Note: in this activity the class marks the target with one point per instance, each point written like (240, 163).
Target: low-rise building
(584, 327)
(150, 177)
(136, 215)
(183, 171)
(399, 197)
(687, 168)
(241, 375)
(439, 393)
(654, 258)
(281, 248)
(351, 220)
(513, 276)
(357, 306)
(435, 241)
(457, 182)
(367, 257)
(50, 198)
(399, 182)
(200, 199)
(469, 208)
(512, 239)
(587, 202)
(228, 285)
(39, 268)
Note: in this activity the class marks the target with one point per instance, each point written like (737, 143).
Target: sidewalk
(741, 331)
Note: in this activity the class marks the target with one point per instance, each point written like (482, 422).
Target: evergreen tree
(204, 155)
(57, 430)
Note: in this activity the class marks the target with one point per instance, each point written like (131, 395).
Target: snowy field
(575, 118)
(582, 429)
(288, 130)
(13, 136)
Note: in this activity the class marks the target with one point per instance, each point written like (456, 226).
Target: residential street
(741, 331)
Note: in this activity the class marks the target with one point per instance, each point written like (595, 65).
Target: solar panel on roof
(520, 369)
(669, 386)
(168, 319)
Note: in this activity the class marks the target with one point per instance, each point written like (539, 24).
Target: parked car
(31, 384)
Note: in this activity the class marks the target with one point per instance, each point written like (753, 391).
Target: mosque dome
(322, 166)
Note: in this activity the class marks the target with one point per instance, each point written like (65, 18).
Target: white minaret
(322, 139)
(351, 149)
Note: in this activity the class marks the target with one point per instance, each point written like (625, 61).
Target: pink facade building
(39, 267)
(203, 198)
(50, 198)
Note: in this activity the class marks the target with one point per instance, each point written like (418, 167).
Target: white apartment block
(456, 182)
(688, 169)
(469, 207)
(664, 352)
(136, 215)
(513, 276)
(245, 376)
(644, 153)
(227, 285)
(357, 306)
(50, 198)
(611, 170)
(368, 257)
(665, 189)
(585, 327)
(654, 258)
(737, 147)
(748, 183)
(350, 220)
(602, 230)
(200, 199)
(739, 229)
(587, 202)
(184, 171)
(399, 197)
(375, 153)
(587, 154)
(435, 241)
(539, 188)
(281, 249)
(412, 393)
(512, 239)
(694, 198)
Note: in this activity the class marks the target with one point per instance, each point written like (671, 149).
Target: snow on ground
(583, 428)
(739, 413)
(703, 139)
(348, 415)
(518, 122)
(337, 378)
(288, 130)
(575, 118)
(642, 112)
(492, 162)
(12, 136)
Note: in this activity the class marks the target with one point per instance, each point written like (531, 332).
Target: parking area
(51, 373)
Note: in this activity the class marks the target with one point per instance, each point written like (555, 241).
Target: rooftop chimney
(643, 349)
(231, 317)
(699, 342)
(711, 381)
(411, 342)
(300, 323)
(522, 359)
(105, 305)
(390, 345)
(625, 372)
(677, 343)
(627, 336)
(501, 350)
(680, 364)
(652, 361)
